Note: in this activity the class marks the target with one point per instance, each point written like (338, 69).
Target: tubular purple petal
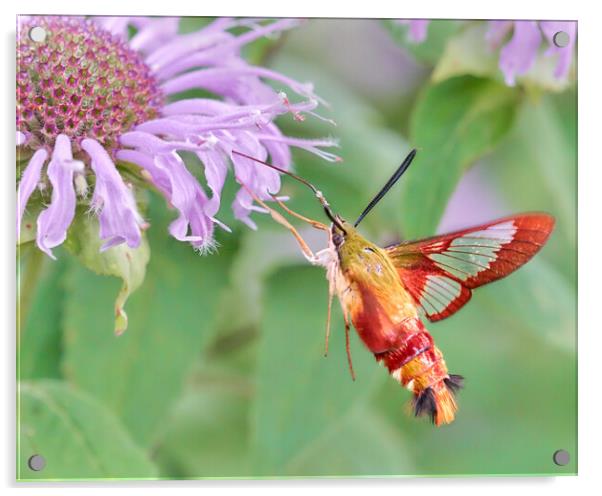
(193, 224)
(306, 144)
(117, 212)
(155, 34)
(150, 142)
(53, 222)
(418, 30)
(158, 175)
(184, 44)
(115, 25)
(216, 170)
(223, 80)
(242, 206)
(276, 147)
(212, 55)
(28, 183)
(519, 54)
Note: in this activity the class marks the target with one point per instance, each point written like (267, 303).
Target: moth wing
(440, 272)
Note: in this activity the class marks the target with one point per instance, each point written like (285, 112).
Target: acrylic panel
(201, 200)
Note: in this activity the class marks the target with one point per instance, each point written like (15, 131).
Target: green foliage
(207, 432)
(455, 122)
(27, 232)
(342, 450)
(77, 435)
(540, 150)
(39, 336)
(542, 300)
(144, 368)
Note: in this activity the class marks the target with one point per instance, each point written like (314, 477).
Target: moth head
(339, 231)
(343, 232)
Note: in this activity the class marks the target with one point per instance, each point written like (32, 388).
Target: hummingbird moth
(384, 292)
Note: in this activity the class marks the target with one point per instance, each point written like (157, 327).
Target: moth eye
(337, 239)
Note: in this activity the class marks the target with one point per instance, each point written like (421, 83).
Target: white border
(590, 193)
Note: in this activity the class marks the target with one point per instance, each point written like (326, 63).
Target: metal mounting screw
(37, 34)
(36, 462)
(561, 457)
(561, 39)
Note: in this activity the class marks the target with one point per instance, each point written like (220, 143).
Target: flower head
(519, 54)
(91, 99)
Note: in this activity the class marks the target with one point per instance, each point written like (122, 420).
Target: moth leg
(330, 298)
(348, 348)
(313, 223)
(309, 255)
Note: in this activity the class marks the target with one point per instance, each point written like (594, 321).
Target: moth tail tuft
(425, 404)
(438, 401)
(454, 382)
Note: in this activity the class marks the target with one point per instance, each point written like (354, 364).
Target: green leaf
(363, 442)
(40, 329)
(139, 373)
(301, 395)
(541, 299)
(469, 53)
(129, 264)
(539, 151)
(207, 432)
(438, 34)
(455, 122)
(261, 253)
(78, 437)
(27, 230)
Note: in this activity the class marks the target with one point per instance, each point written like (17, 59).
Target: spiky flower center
(82, 81)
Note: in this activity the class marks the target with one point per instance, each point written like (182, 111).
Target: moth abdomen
(418, 365)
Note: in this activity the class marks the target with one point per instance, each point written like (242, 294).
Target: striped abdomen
(419, 366)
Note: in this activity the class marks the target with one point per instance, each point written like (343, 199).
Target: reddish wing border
(441, 271)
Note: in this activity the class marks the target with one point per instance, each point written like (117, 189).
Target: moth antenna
(317, 193)
(393, 179)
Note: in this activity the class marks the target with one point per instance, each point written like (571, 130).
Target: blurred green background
(221, 372)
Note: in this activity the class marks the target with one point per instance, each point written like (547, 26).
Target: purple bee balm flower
(519, 54)
(418, 29)
(94, 99)
(565, 54)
